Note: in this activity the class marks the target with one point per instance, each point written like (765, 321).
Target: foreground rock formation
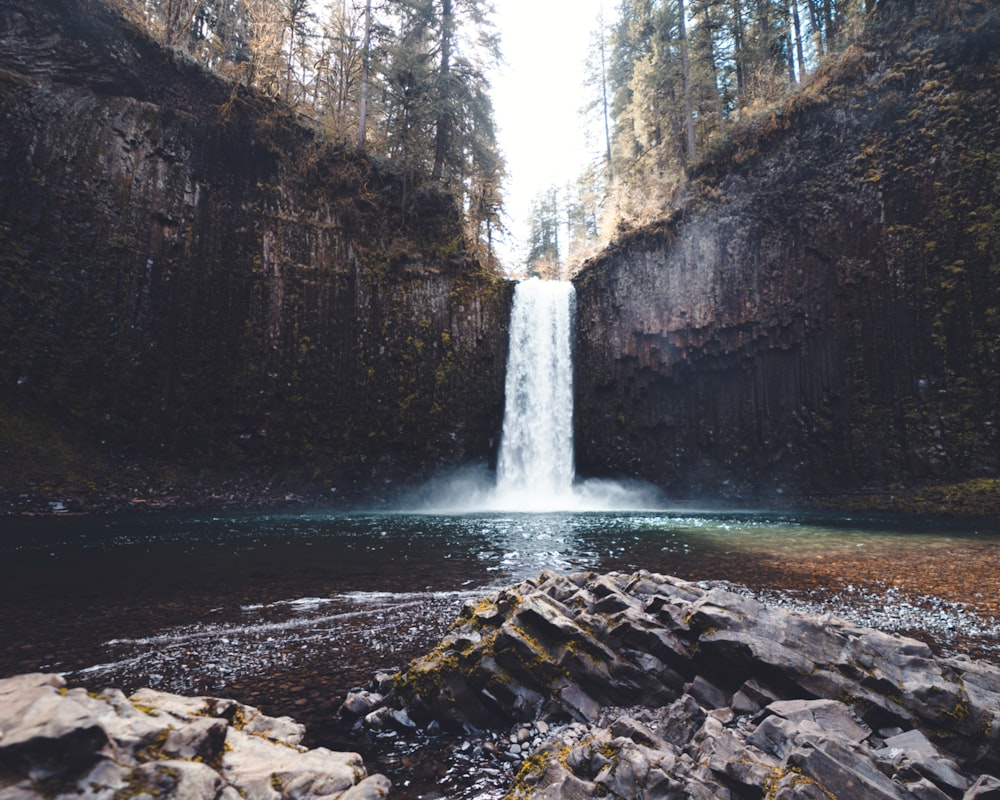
(59, 743)
(652, 687)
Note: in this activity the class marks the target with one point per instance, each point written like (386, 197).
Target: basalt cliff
(195, 287)
(822, 315)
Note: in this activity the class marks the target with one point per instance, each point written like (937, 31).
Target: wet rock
(750, 700)
(57, 742)
(374, 787)
(360, 702)
(986, 787)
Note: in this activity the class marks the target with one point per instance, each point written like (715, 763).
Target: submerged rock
(649, 686)
(61, 743)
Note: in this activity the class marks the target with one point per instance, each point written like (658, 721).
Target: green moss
(426, 674)
(790, 779)
(151, 711)
(530, 773)
(154, 749)
(960, 712)
(977, 497)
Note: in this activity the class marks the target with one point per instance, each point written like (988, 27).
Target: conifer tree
(543, 258)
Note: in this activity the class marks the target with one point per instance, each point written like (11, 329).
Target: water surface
(70, 585)
(289, 610)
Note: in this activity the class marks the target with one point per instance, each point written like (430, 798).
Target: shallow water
(66, 582)
(288, 610)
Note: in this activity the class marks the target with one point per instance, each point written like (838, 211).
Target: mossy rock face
(191, 278)
(979, 497)
(821, 317)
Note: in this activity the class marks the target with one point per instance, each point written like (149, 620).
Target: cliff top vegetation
(391, 93)
(683, 93)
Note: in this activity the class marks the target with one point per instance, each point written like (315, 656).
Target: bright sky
(537, 97)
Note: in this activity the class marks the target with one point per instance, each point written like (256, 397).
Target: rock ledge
(653, 687)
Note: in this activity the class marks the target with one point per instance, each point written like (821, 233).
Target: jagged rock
(986, 788)
(360, 702)
(57, 742)
(746, 700)
(912, 751)
(827, 715)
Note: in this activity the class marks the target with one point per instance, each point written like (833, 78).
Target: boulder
(690, 690)
(57, 742)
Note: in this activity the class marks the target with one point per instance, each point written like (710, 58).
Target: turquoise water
(210, 602)
(362, 546)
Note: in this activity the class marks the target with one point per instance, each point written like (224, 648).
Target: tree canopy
(405, 81)
(667, 79)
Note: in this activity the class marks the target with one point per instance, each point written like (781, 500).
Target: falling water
(535, 467)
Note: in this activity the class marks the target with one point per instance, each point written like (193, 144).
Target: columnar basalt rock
(653, 687)
(821, 315)
(191, 276)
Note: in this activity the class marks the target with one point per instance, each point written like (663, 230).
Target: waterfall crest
(535, 466)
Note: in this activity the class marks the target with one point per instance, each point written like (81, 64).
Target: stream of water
(535, 467)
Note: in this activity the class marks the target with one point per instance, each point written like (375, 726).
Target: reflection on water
(287, 611)
(403, 551)
(201, 602)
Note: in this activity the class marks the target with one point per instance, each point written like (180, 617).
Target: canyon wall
(823, 313)
(192, 279)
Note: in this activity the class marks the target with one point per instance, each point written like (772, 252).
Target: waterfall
(535, 467)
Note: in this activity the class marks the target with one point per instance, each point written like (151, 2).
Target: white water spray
(535, 466)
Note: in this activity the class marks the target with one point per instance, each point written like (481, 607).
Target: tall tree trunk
(829, 25)
(604, 100)
(817, 28)
(443, 133)
(686, 78)
(365, 65)
(790, 43)
(713, 64)
(739, 50)
(797, 24)
(289, 73)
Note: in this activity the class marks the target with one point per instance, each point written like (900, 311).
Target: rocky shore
(644, 686)
(621, 685)
(61, 743)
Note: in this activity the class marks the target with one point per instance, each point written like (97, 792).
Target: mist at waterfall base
(535, 468)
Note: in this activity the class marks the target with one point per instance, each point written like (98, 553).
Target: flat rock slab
(684, 690)
(59, 743)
